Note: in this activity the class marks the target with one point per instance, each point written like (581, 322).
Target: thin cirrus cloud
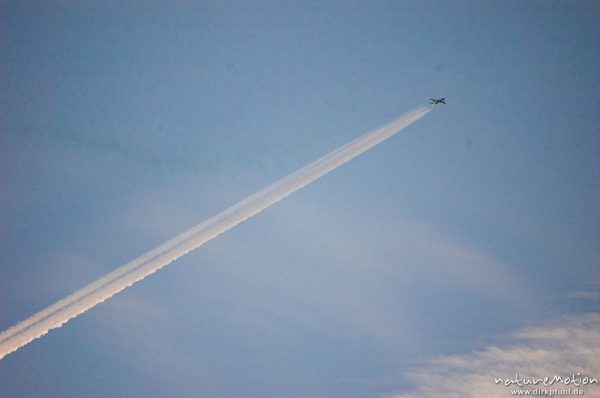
(561, 347)
(583, 294)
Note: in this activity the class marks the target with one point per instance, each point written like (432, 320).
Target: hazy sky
(123, 124)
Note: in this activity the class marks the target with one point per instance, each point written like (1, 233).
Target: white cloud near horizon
(563, 346)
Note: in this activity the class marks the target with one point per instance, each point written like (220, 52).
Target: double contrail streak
(110, 284)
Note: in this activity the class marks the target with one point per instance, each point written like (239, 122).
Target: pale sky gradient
(123, 124)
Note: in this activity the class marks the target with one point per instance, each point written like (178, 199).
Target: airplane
(437, 101)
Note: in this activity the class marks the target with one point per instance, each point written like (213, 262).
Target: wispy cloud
(583, 294)
(562, 347)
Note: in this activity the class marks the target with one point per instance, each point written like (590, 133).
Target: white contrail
(96, 292)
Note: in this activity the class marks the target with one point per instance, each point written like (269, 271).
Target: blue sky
(123, 124)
